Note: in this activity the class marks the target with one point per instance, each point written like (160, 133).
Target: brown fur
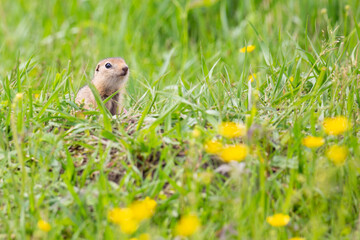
(107, 81)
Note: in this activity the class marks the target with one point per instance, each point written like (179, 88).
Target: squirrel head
(114, 70)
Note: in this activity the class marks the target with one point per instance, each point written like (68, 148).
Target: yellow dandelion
(297, 238)
(129, 226)
(187, 225)
(248, 49)
(143, 209)
(129, 218)
(336, 125)
(213, 146)
(144, 236)
(120, 215)
(44, 225)
(337, 154)
(252, 77)
(236, 152)
(278, 220)
(313, 142)
(291, 79)
(36, 95)
(231, 129)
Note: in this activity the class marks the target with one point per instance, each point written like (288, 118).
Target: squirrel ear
(97, 68)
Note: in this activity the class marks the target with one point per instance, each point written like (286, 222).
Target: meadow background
(70, 167)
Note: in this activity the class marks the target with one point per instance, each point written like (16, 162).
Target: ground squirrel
(110, 76)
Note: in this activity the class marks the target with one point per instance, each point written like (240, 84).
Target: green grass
(186, 72)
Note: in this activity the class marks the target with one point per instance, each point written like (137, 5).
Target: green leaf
(102, 108)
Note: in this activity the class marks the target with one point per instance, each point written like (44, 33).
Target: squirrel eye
(108, 65)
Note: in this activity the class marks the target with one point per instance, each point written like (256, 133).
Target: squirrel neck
(107, 87)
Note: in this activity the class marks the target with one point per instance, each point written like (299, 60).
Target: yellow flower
(213, 146)
(252, 77)
(44, 225)
(129, 226)
(144, 236)
(337, 154)
(120, 215)
(278, 220)
(36, 95)
(137, 211)
(236, 152)
(291, 79)
(143, 209)
(336, 125)
(187, 225)
(312, 142)
(231, 129)
(297, 238)
(129, 218)
(124, 217)
(248, 48)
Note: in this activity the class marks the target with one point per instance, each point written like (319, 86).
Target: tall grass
(70, 167)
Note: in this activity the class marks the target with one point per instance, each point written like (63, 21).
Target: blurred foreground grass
(71, 170)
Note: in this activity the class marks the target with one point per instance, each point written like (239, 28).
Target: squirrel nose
(125, 69)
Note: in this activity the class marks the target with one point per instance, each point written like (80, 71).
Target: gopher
(110, 76)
